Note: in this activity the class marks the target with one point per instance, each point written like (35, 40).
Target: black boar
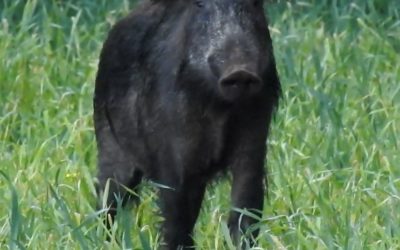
(185, 89)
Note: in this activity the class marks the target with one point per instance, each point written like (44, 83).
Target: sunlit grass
(333, 157)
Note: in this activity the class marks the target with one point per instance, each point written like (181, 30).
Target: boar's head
(227, 48)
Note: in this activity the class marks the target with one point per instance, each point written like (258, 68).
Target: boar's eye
(199, 3)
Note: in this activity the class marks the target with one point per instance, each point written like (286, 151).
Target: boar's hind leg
(116, 169)
(180, 208)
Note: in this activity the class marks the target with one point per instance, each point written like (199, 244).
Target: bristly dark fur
(184, 91)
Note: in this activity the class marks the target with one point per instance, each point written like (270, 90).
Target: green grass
(334, 161)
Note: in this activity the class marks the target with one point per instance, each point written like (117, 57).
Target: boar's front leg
(246, 160)
(247, 193)
(180, 208)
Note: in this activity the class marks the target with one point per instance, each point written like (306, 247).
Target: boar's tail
(111, 125)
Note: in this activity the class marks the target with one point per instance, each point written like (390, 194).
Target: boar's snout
(239, 83)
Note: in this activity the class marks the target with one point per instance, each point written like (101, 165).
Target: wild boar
(186, 89)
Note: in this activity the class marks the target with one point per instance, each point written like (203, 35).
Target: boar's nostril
(254, 85)
(239, 83)
(229, 83)
(241, 79)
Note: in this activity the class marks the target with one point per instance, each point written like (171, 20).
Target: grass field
(334, 158)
